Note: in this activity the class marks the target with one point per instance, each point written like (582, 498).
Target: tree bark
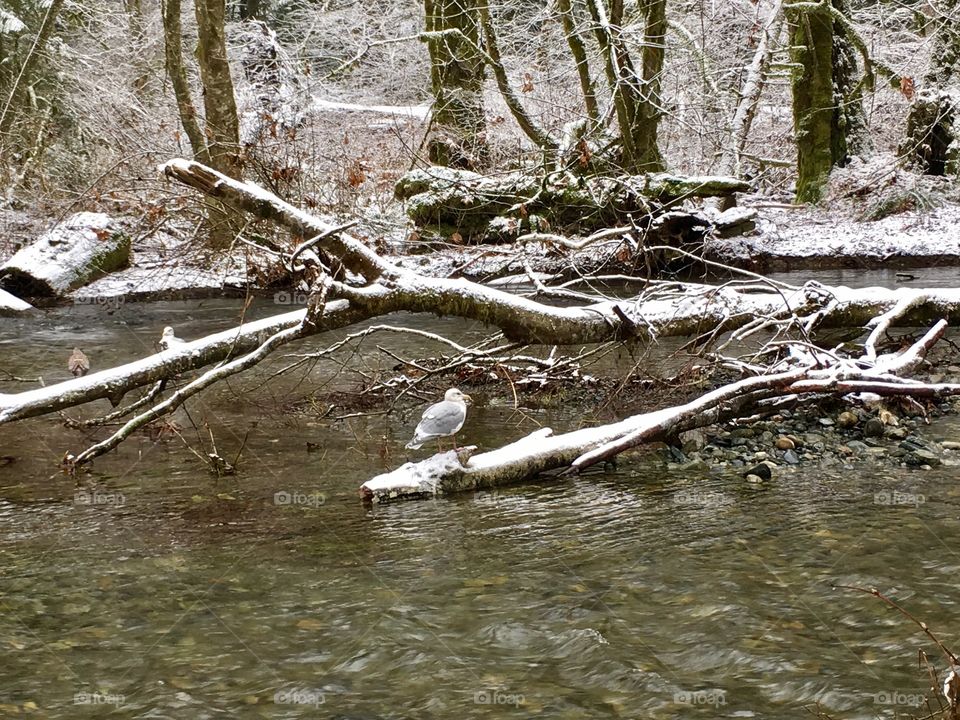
(829, 123)
(636, 95)
(173, 53)
(812, 51)
(458, 137)
(222, 127)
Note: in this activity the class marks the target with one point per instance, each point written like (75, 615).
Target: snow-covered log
(445, 200)
(12, 305)
(543, 451)
(82, 248)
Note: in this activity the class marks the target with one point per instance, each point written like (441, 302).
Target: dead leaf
(527, 85)
(907, 87)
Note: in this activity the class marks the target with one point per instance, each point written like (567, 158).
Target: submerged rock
(761, 471)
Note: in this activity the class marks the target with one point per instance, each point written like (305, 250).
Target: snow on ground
(816, 239)
(418, 112)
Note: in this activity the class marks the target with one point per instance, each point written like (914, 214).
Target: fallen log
(444, 201)
(542, 451)
(12, 305)
(84, 247)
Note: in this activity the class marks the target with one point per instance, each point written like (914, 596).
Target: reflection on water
(156, 591)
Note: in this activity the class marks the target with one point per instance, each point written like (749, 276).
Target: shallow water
(154, 590)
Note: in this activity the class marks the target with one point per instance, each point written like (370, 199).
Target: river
(154, 590)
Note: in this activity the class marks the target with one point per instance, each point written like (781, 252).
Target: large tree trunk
(218, 143)
(219, 104)
(812, 50)
(828, 115)
(636, 95)
(458, 136)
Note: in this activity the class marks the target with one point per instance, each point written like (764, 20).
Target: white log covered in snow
(77, 251)
(12, 305)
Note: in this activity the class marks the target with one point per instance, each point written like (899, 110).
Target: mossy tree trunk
(852, 137)
(829, 123)
(458, 135)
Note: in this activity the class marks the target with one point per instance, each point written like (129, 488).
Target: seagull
(442, 419)
(169, 339)
(78, 363)
(951, 687)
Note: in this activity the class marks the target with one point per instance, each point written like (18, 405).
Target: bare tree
(218, 142)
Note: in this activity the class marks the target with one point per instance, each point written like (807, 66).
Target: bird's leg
(455, 442)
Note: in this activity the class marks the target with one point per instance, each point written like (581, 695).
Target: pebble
(926, 457)
(847, 419)
(873, 428)
(785, 443)
(950, 445)
(826, 422)
(790, 457)
(761, 471)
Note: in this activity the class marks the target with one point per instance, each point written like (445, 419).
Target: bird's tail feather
(413, 445)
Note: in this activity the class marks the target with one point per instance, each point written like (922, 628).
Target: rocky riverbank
(845, 439)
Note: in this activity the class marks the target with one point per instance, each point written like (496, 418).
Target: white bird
(169, 339)
(951, 687)
(442, 419)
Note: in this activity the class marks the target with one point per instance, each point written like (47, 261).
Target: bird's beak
(468, 400)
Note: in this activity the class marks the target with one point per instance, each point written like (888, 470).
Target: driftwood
(444, 201)
(82, 248)
(543, 451)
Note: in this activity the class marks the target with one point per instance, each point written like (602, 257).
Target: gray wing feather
(444, 418)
